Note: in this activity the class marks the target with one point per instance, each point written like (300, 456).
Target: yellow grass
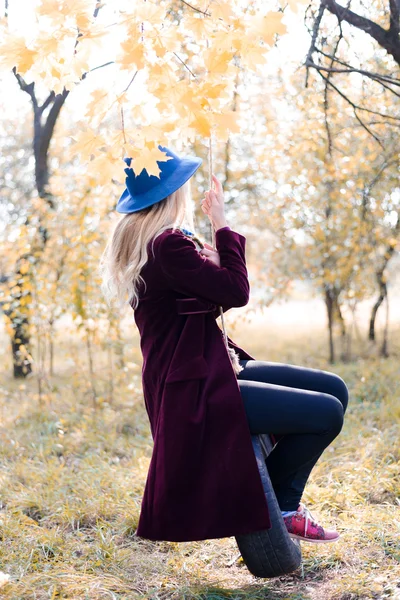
(73, 471)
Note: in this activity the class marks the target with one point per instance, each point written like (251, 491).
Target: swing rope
(231, 352)
(210, 181)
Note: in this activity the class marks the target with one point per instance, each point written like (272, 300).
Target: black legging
(304, 406)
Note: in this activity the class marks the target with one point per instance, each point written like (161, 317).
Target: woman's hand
(211, 254)
(213, 205)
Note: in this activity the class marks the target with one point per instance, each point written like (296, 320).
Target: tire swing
(269, 552)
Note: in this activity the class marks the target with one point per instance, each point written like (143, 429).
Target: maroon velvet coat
(203, 480)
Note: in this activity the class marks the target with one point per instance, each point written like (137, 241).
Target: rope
(210, 182)
(210, 172)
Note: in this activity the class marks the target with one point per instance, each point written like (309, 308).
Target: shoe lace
(308, 517)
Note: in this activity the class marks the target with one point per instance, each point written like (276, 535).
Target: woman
(203, 481)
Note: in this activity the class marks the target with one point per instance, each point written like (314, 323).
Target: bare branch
(317, 24)
(29, 88)
(97, 8)
(47, 102)
(372, 75)
(378, 79)
(367, 129)
(356, 106)
(196, 9)
(41, 144)
(111, 62)
(385, 38)
(130, 83)
(184, 64)
(326, 105)
(394, 16)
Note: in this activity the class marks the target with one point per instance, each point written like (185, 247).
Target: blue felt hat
(143, 190)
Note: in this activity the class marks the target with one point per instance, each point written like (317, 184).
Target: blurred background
(304, 127)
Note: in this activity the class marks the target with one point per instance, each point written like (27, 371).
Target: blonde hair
(126, 251)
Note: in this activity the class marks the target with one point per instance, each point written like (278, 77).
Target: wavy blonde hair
(126, 253)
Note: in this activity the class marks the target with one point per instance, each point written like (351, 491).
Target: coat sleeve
(191, 273)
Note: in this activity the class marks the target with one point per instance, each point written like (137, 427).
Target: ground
(73, 470)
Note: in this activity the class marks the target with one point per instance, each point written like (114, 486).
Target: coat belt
(193, 306)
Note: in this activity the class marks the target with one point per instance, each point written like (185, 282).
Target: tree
(180, 59)
(380, 21)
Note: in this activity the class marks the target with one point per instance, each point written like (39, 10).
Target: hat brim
(188, 166)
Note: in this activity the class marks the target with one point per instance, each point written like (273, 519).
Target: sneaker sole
(303, 539)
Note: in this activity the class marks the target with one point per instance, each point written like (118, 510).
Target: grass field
(73, 471)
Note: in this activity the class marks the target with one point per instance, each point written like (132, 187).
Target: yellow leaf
(252, 55)
(166, 40)
(95, 34)
(99, 104)
(151, 12)
(222, 10)
(87, 142)
(217, 62)
(225, 123)
(132, 55)
(24, 268)
(148, 160)
(265, 26)
(202, 124)
(105, 168)
(15, 53)
(200, 27)
(155, 131)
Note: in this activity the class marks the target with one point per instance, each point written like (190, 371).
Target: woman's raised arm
(190, 273)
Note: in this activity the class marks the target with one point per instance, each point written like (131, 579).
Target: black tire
(270, 552)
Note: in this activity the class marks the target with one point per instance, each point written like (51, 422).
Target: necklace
(192, 236)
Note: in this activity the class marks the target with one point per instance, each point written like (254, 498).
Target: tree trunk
(375, 308)
(329, 302)
(385, 342)
(342, 324)
(43, 130)
(22, 363)
(19, 300)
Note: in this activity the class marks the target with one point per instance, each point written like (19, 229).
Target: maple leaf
(166, 40)
(15, 53)
(132, 55)
(95, 34)
(252, 54)
(99, 106)
(148, 159)
(266, 26)
(225, 123)
(221, 9)
(197, 27)
(87, 142)
(151, 12)
(210, 91)
(202, 124)
(217, 62)
(155, 131)
(78, 8)
(105, 168)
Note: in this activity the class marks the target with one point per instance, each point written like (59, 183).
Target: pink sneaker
(301, 525)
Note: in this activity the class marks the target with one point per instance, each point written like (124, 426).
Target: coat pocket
(193, 368)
